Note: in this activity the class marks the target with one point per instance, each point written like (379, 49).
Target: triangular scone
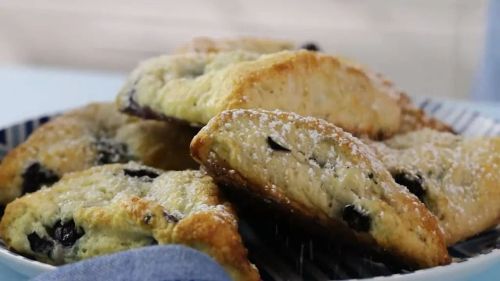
(412, 118)
(117, 207)
(89, 136)
(196, 87)
(251, 44)
(316, 170)
(457, 178)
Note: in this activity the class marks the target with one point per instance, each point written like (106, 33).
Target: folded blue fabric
(156, 263)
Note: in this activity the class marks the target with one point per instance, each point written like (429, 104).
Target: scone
(412, 118)
(457, 178)
(117, 207)
(196, 87)
(251, 44)
(314, 169)
(93, 135)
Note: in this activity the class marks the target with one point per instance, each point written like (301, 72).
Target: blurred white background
(427, 47)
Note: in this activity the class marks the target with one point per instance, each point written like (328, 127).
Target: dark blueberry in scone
(311, 47)
(109, 152)
(356, 219)
(40, 245)
(36, 176)
(414, 183)
(326, 175)
(170, 217)
(148, 174)
(66, 233)
(276, 146)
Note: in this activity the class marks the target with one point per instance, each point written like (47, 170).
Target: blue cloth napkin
(156, 263)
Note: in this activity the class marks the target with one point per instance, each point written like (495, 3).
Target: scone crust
(196, 87)
(211, 148)
(250, 44)
(82, 138)
(459, 177)
(176, 207)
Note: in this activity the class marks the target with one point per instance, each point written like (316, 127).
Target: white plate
(455, 271)
(22, 265)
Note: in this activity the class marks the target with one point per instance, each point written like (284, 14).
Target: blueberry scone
(196, 87)
(117, 207)
(316, 170)
(251, 44)
(412, 118)
(458, 179)
(93, 135)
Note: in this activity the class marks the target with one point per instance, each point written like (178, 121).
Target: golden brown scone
(251, 44)
(196, 87)
(457, 178)
(314, 169)
(412, 118)
(118, 207)
(93, 135)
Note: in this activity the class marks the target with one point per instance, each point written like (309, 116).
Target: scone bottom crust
(132, 107)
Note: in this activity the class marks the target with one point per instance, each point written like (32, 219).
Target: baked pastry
(458, 179)
(93, 135)
(196, 87)
(412, 118)
(117, 207)
(316, 170)
(251, 44)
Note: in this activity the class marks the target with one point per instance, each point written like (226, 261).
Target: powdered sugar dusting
(457, 175)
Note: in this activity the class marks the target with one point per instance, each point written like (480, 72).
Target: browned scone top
(251, 44)
(196, 87)
(315, 169)
(412, 118)
(118, 207)
(92, 135)
(457, 178)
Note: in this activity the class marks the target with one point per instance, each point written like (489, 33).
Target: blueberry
(142, 173)
(36, 176)
(310, 47)
(276, 146)
(109, 152)
(66, 233)
(195, 72)
(171, 217)
(153, 241)
(147, 218)
(321, 160)
(40, 245)
(412, 182)
(356, 219)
